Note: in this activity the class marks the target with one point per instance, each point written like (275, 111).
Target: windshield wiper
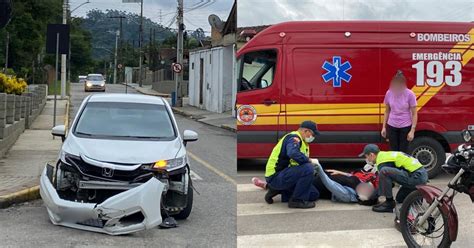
(140, 137)
(81, 133)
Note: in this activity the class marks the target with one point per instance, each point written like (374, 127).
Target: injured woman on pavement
(357, 186)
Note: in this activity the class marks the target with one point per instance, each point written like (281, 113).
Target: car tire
(184, 214)
(428, 151)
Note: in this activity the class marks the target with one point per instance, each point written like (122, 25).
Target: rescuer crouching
(289, 170)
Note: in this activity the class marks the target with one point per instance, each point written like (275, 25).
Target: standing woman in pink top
(399, 122)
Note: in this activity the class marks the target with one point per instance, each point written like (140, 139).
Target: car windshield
(125, 120)
(95, 78)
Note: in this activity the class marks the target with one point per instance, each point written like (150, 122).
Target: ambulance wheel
(430, 153)
(184, 214)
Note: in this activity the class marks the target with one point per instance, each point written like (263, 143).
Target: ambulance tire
(428, 150)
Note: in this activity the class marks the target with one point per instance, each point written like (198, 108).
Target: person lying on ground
(344, 187)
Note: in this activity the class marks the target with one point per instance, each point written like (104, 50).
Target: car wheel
(430, 153)
(184, 214)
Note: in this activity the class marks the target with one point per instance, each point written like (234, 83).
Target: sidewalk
(221, 120)
(21, 167)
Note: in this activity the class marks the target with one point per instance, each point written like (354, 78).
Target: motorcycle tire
(405, 230)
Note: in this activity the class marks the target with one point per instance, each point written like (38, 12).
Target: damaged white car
(122, 166)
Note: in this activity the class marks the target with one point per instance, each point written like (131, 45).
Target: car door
(258, 102)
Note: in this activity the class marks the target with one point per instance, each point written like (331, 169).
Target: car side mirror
(466, 135)
(189, 136)
(59, 130)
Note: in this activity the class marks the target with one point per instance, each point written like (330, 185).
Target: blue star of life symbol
(336, 71)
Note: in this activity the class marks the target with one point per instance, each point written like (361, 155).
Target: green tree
(81, 50)
(27, 31)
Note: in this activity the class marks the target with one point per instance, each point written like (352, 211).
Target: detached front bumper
(133, 210)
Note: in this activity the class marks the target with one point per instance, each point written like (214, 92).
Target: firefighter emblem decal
(246, 114)
(337, 71)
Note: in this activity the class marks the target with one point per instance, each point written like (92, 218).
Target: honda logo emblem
(107, 172)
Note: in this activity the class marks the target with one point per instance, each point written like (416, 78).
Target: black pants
(397, 137)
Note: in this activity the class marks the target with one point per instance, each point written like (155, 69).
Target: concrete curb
(198, 118)
(31, 193)
(24, 195)
(232, 129)
(149, 94)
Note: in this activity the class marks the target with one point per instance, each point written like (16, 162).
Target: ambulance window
(257, 70)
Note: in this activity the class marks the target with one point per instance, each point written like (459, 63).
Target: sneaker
(301, 204)
(384, 207)
(259, 183)
(270, 194)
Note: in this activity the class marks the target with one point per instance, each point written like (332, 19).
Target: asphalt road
(330, 224)
(212, 222)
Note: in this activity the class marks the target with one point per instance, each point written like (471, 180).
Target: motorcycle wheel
(435, 231)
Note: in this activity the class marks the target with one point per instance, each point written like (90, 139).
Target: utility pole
(64, 56)
(120, 49)
(6, 52)
(140, 43)
(179, 57)
(115, 57)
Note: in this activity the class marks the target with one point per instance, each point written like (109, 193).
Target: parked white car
(122, 163)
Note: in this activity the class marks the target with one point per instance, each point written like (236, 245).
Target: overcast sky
(151, 9)
(260, 12)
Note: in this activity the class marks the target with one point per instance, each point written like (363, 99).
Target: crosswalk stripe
(263, 208)
(248, 187)
(387, 237)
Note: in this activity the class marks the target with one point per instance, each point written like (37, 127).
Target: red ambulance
(337, 73)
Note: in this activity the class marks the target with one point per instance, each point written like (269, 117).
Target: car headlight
(62, 157)
(89, 84)
(170, 164)
(102, 84)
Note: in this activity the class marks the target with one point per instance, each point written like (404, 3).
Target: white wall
(218, 76)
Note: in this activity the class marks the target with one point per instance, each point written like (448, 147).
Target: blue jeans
(408, 181)
(339, 192)
(295, 182)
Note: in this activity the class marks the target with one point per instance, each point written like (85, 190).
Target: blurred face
(308, 135)
(398, 85)
(365, 191)
(370, 158)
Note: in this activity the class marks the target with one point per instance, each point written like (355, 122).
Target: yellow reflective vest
(272, 162)
(400, 159)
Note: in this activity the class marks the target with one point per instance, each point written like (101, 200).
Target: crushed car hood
(122, 151)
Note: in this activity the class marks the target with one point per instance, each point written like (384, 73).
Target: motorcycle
(428, 216)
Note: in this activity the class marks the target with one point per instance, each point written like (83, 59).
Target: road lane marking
(212, 168)
(248, 187)
(249, 209)
(195, 176)
(385, 237)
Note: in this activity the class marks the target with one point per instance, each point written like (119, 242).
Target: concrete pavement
(221, 120)
(21, 167)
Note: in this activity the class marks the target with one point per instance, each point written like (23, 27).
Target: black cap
(311, 126)
(370, 148)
